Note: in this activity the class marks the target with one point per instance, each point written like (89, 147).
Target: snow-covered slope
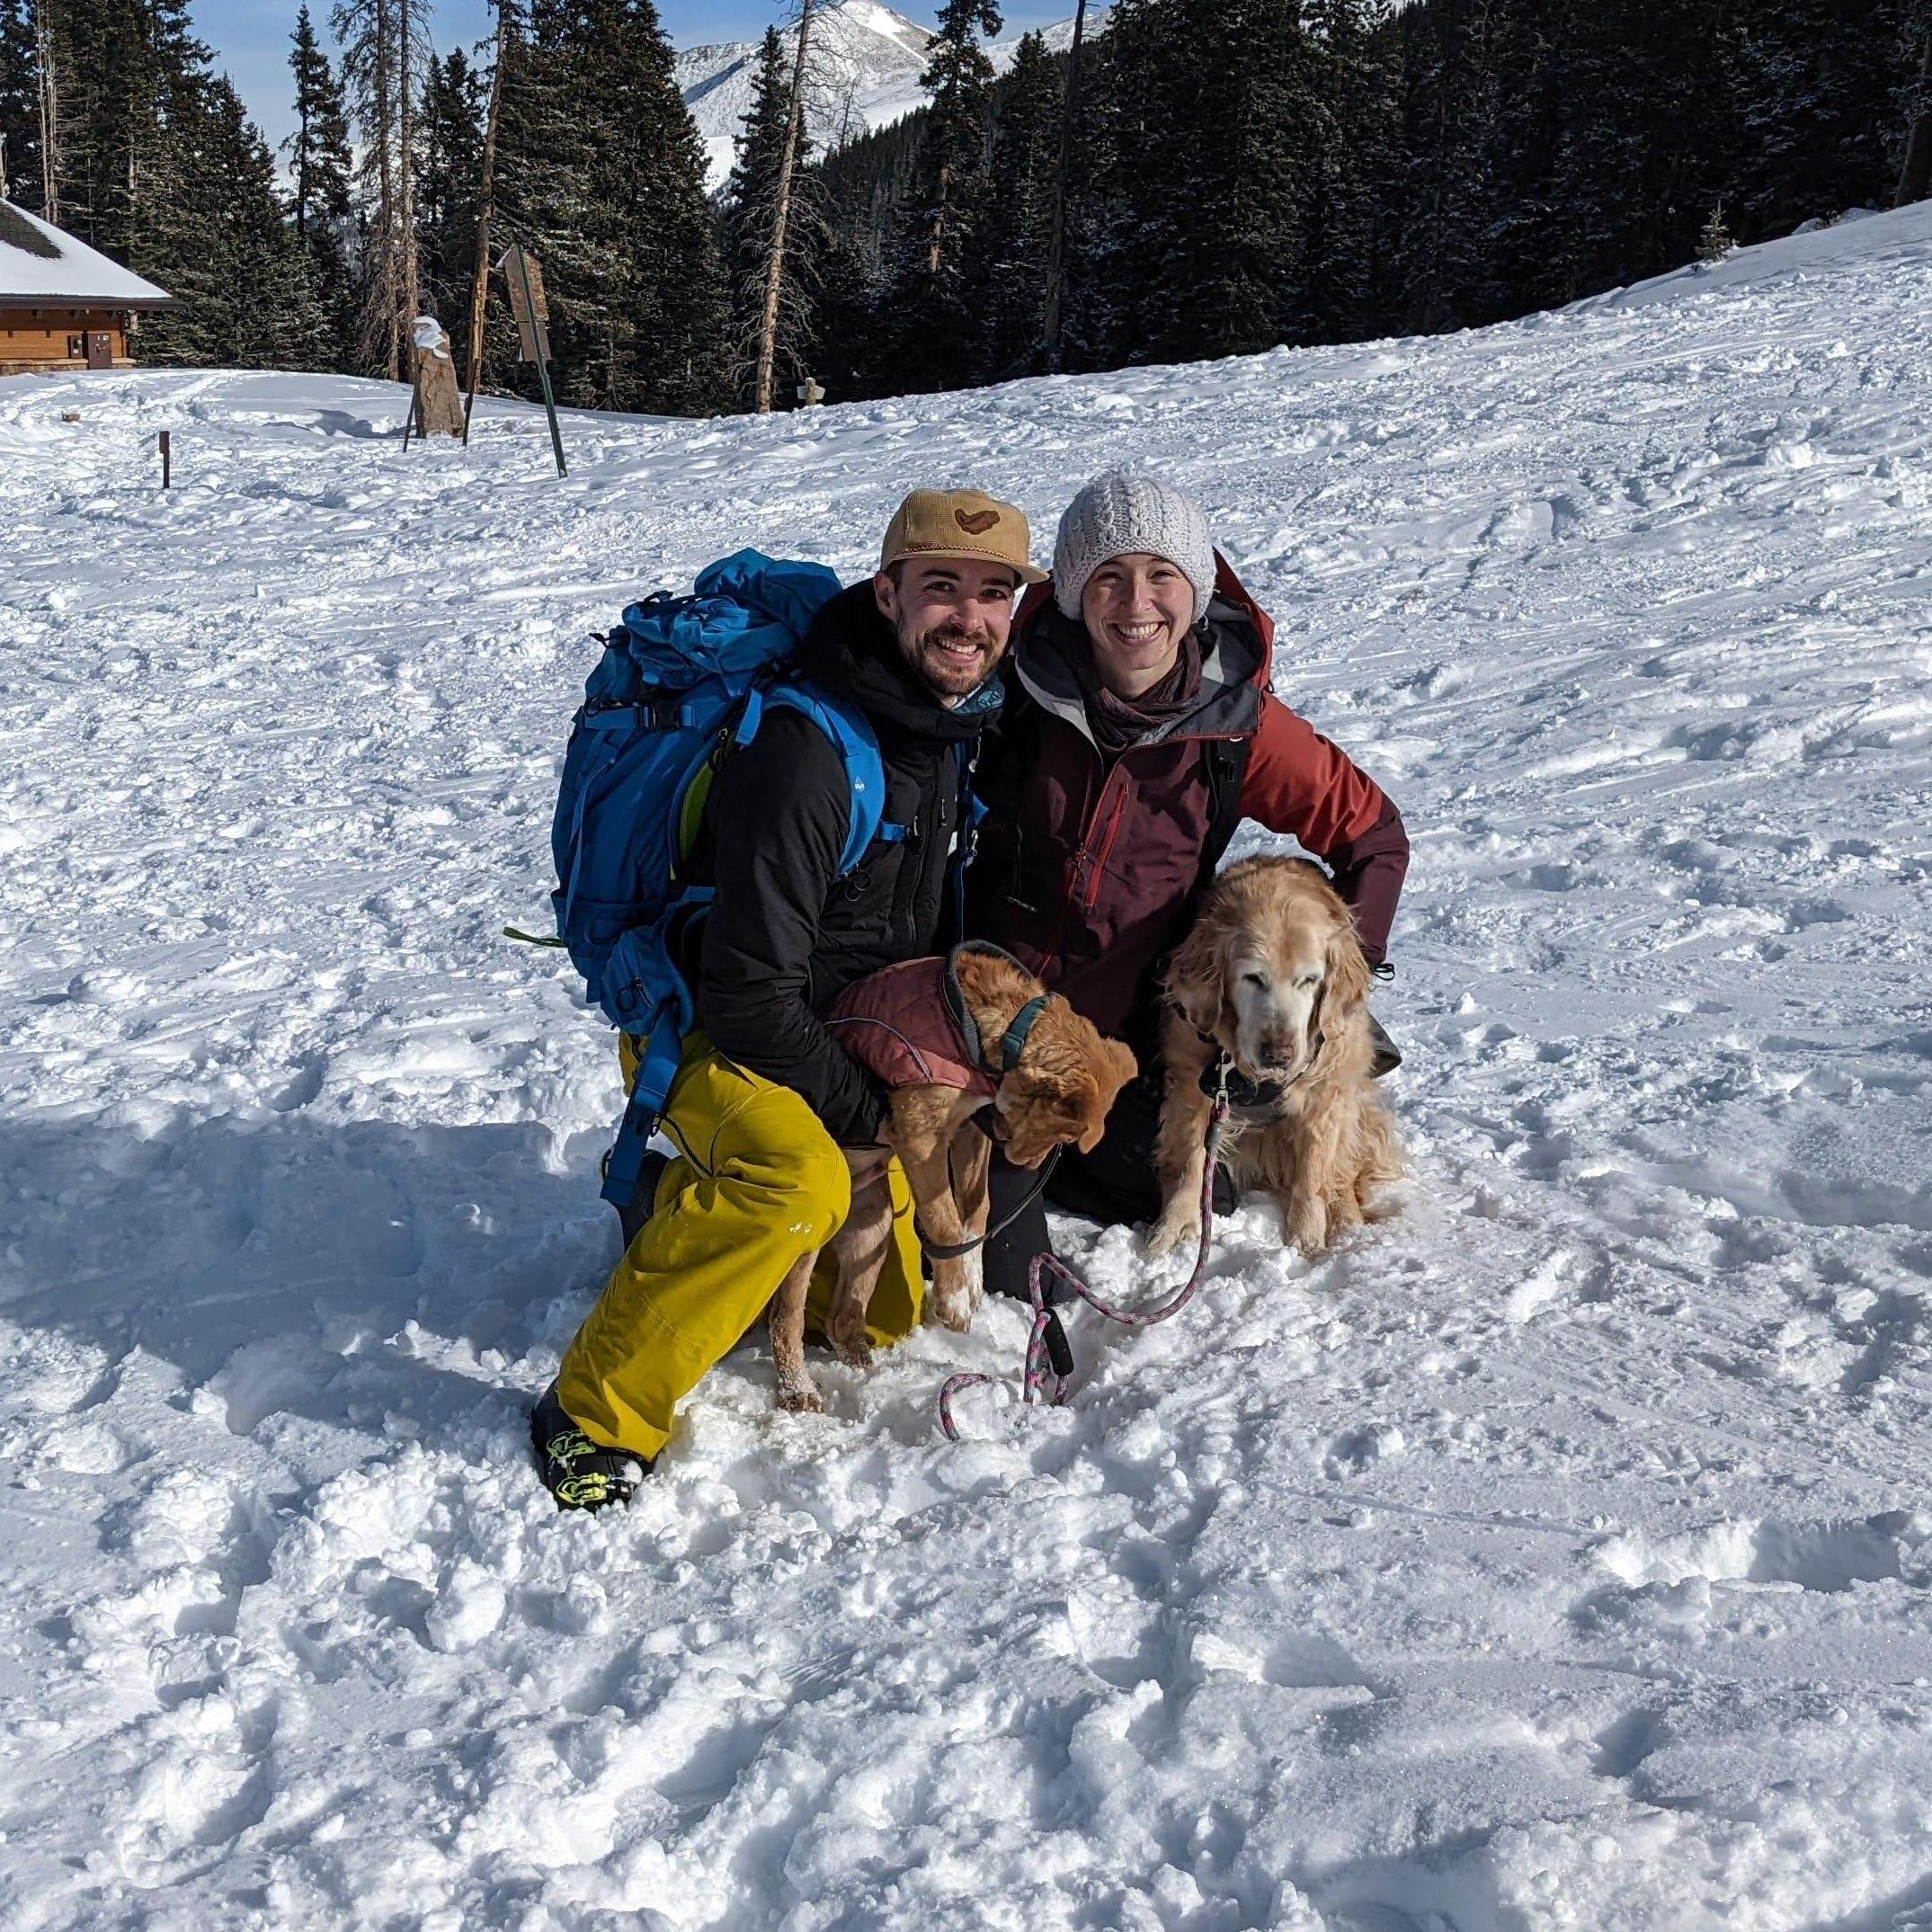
(867, 70)
(1555, 1556)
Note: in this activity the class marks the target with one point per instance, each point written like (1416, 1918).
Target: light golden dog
(1272, 977)
(1058, 1091)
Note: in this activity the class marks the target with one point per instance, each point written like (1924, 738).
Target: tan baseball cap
(960, 523)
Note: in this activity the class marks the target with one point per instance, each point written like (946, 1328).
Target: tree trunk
(406, 167)
(479, 284)
(768, 326)
(386, 294)
(1915, 180)
(1056, 241)
(49, 116)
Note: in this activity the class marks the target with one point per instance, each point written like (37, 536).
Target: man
(764, 1098)
(1139, 731)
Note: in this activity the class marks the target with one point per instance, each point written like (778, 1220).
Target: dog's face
(1270, 965)
(1060, 1093)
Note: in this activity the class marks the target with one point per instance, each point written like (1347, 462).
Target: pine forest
(1203, 178)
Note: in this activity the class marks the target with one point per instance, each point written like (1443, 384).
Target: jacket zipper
(1095, 863)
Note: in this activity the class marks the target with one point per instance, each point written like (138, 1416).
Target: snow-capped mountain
(868, 61)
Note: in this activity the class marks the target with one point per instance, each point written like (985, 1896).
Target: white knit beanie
(1121, 513)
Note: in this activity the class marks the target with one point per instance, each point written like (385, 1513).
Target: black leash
(952, 1250)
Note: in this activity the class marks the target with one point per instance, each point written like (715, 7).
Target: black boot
(1388, 1054)
(580, 1473)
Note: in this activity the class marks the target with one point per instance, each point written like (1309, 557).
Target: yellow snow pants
(758, 1182)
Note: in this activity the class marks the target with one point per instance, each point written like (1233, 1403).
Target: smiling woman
(1139, 731)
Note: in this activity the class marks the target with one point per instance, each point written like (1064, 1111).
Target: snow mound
(1553, 1555)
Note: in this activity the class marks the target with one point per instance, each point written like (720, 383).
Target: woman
(1139, 731)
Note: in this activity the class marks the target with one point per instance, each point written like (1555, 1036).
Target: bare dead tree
(409, 267)
(768, 326)
(479, 287)
(49, 103)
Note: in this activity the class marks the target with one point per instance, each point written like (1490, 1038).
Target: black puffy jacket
(785, 933)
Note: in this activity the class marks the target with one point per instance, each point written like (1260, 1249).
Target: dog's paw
(801, 1398)
(850, 1346)
(1167, 1233)
(1308, 1228)
(952, 1307)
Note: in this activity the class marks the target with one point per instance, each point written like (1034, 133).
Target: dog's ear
(1347, 989)
(1194, 981)
(1122, 1068)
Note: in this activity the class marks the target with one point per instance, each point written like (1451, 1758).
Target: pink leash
(1040, 1371)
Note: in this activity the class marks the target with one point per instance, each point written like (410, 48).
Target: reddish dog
(949, 1037)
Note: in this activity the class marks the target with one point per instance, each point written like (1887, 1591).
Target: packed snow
(1556, 1554)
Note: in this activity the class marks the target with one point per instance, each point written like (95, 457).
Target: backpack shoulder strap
(857, 745)
(1226, 761)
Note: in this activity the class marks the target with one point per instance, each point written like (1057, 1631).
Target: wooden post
(166, 458)
(435, 401)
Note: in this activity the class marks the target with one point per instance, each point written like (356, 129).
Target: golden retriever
(1058, 1091)
(1272, 977)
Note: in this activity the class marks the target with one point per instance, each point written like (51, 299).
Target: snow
(78, 273)
(1557, 1554)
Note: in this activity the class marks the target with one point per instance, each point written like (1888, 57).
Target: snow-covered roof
(71, 272)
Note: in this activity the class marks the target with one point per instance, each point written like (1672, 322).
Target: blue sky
(250, 38)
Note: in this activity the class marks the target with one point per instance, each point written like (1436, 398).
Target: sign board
(524, 274)
(525, 280)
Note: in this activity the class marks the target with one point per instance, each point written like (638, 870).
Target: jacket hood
(852, 652)
(1235, 658)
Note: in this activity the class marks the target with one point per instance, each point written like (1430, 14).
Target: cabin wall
(39, 339)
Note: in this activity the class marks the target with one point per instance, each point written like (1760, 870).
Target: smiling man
(764, 1098)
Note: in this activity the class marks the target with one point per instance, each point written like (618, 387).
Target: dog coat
(910, 1025)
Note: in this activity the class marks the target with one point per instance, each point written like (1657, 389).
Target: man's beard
(950, 675)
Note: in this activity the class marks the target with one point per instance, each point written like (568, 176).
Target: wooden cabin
(63, 305)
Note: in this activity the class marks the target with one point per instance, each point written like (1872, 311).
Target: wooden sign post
(524, 276)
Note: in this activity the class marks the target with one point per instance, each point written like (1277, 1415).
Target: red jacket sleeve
(1299, 783)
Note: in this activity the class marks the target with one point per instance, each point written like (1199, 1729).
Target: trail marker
(524, 275)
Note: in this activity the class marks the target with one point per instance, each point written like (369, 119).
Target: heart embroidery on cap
(976, 523)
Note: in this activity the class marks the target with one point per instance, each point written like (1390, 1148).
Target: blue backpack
(684, 682)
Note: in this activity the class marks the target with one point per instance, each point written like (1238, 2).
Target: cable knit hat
(1121, 513)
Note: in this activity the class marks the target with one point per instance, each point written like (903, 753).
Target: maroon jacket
(1089, 873)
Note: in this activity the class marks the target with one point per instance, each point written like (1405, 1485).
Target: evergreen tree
(932, 311)
(214, 235)
(1007, 274)
(320, 169)
(1819, 80)
(603, 175)
(19, 116)
(1348, 138)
